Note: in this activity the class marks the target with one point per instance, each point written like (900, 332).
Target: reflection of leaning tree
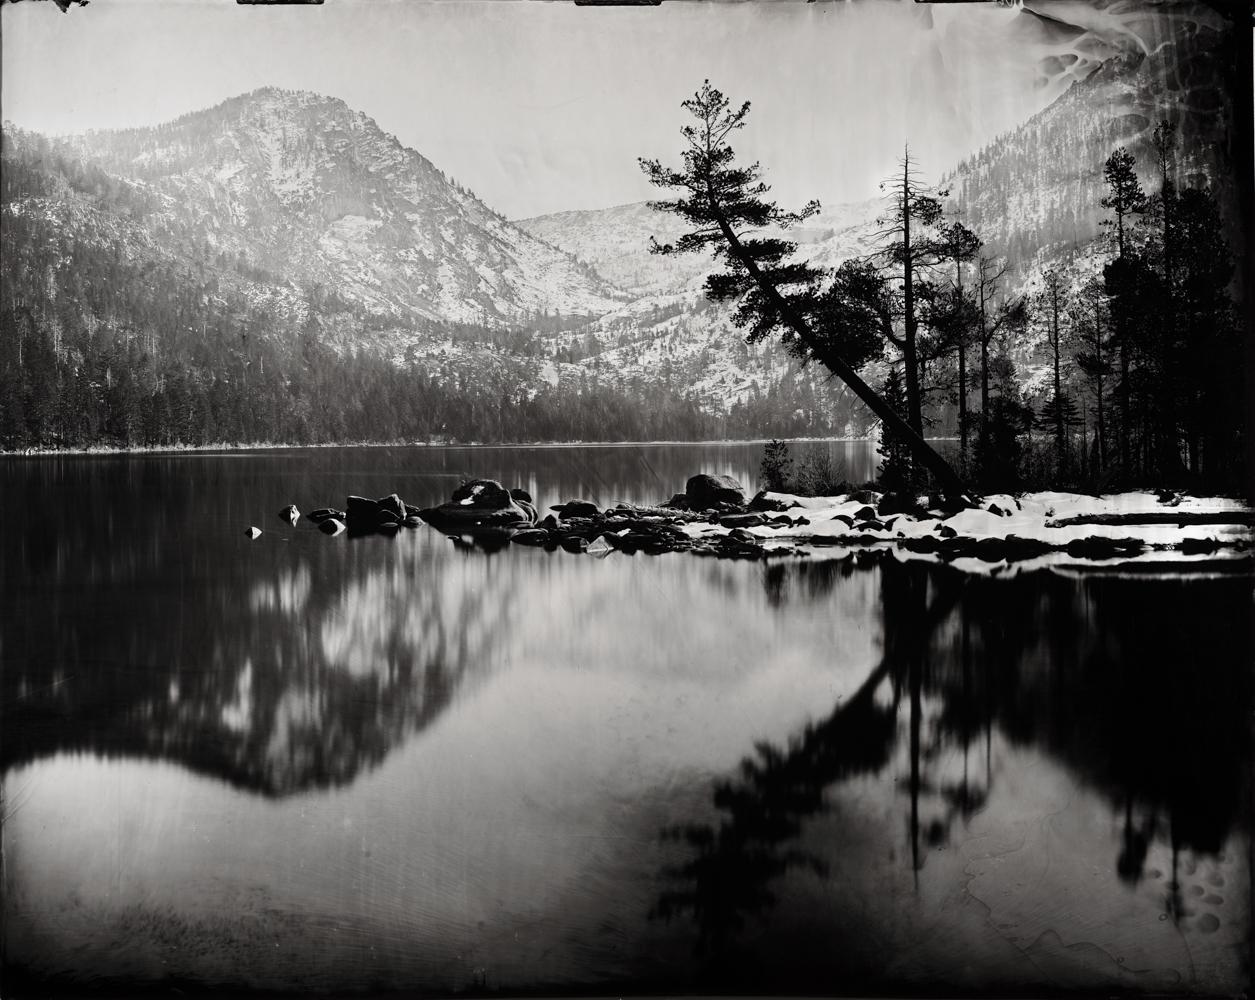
(728, 876)
(337, 677)
(1117, 705)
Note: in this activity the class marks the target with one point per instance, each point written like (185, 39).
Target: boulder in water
(289, 514)
(361, 513)
(253, 531)
(394, 506)
(485, 494)
(480, 503)
(703, 491)
(331, 526)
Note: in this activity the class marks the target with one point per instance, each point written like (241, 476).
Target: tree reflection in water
(1140, 688)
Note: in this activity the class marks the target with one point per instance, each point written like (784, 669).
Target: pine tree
(913, 248)
(1125, 279)
(1060, 413)
(1093, 359)
(725, 204)
(962, 246)
(1126, 197)
(897, 468)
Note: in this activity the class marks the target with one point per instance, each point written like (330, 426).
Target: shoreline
(259, 447)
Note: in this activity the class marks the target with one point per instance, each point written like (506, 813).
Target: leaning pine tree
(725, 204)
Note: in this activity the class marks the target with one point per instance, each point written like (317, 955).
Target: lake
(310, 764)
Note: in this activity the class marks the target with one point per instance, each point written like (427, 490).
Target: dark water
(316, 763)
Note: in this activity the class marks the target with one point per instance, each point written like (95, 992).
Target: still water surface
(317, 763)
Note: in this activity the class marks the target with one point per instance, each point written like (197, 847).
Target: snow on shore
(1146, 539)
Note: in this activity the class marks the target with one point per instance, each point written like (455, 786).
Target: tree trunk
(962, 399)
(984, 384)
(958, 270)
(911, 362)
(1124, 406)
(1102, 431)
(1060, 439)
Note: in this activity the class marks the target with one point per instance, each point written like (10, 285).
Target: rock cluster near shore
(712, 518)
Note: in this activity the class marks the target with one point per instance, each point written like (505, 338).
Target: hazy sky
(542, 106)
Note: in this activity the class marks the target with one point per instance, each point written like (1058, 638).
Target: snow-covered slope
(670, 331)
(616, 242)
(1036, 191)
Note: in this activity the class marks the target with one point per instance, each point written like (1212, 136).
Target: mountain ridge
(299, 182)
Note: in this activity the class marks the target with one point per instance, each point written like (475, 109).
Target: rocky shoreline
(1135, 532)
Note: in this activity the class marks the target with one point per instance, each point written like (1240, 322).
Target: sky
(541, 106)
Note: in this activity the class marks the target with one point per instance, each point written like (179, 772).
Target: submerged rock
(325, 513)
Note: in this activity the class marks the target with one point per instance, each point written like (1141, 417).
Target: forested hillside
(123, 332)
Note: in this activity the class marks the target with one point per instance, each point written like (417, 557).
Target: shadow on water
(1140, 689)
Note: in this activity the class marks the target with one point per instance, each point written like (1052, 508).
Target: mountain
(302, 186)
(278, 268)
(671, 331)
(1035, 193)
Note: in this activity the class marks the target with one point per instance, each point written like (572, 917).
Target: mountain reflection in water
(317, 680)
(1142, 689)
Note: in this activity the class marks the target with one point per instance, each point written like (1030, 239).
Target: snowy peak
(303, 186)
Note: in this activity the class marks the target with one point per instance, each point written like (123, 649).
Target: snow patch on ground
(1031, 517)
